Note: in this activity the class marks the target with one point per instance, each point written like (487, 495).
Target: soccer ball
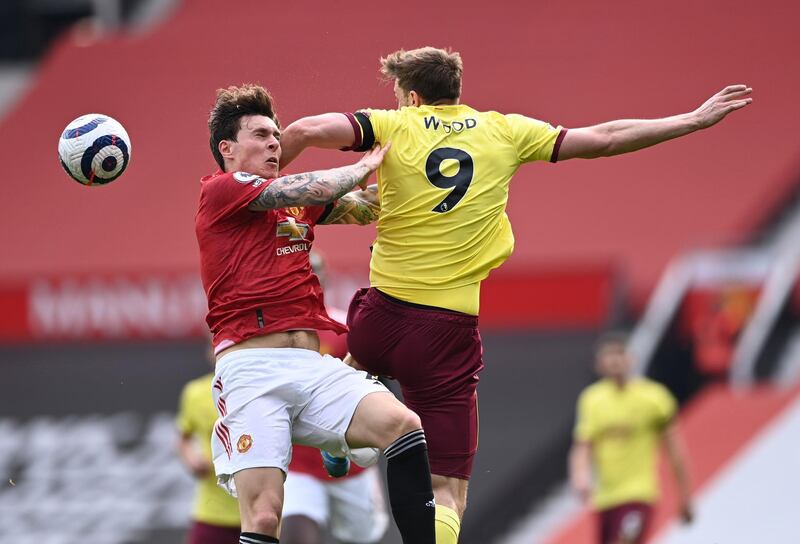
(94, 149)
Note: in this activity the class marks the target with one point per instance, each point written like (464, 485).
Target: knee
(404, 421)
(379, 420)
(265, 521)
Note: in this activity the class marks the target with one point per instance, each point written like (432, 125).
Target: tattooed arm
(356, 208)
(320, 187)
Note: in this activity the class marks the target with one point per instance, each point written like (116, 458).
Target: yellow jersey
(196, 416)
(624, 427)
(443, 188)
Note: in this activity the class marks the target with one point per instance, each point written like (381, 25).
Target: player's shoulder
(649, 386)
(243, 178)
(653, 391)
(521, 123)
(595, 391)
(493, 114)
(377, 114)
(485, 116)
(497, 122)
(214, 178)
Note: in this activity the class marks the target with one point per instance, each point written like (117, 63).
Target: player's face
(613, 361)
(257, 149)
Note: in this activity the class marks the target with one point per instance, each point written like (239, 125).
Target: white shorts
(353, 508)
(269, 398)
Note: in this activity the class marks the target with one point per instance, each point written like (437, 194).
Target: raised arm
(320, 187)
(626, 135)
(356, 208)
(329, 130)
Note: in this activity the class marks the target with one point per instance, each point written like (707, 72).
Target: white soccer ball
(94, 149)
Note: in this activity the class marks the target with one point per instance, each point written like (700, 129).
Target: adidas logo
(431, 504)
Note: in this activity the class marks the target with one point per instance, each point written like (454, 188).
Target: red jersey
(254, 265)
(305, 459)
(331, 342)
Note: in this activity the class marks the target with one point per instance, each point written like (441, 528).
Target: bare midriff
(287, 339)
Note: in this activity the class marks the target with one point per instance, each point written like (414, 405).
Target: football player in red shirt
(272, 387)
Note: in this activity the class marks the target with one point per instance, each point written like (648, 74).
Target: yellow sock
(447, 525)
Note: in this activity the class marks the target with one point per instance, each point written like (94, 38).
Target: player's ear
(414, 99)
(225, 149)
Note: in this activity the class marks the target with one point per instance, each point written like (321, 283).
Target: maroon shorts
(436, 356)
(626, 523)
(204, 533)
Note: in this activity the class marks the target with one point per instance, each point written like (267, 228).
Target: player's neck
(441, 103)
(620, 381)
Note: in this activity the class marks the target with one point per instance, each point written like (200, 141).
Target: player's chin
(270, 170)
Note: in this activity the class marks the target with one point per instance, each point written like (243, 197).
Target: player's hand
(687, 512)
(732, 97)
(584, 491)
(350, 361)
(372, 159)
(200, 467)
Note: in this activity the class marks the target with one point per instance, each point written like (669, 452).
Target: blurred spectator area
(27, 27)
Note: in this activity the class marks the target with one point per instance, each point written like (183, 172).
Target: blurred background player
(613, 463)
(215, 515)
(352, 507)
(443, 227)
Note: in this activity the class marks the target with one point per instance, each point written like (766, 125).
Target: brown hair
(612, 339)
(435, 74)
(232, 104)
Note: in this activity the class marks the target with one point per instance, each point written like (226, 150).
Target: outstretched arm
(676, 456)
(356, 208)
(320, 187)
(626, 135)
(329, 130)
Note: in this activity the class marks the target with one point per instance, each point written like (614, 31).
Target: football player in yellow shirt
(215, 513)
(443, 188)
(620, 425)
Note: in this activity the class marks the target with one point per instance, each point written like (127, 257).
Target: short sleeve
(381, 122)
(184, 419)
(363, 135)
(585, 426)
(535, 140)
(226, 195)
(665, 406)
